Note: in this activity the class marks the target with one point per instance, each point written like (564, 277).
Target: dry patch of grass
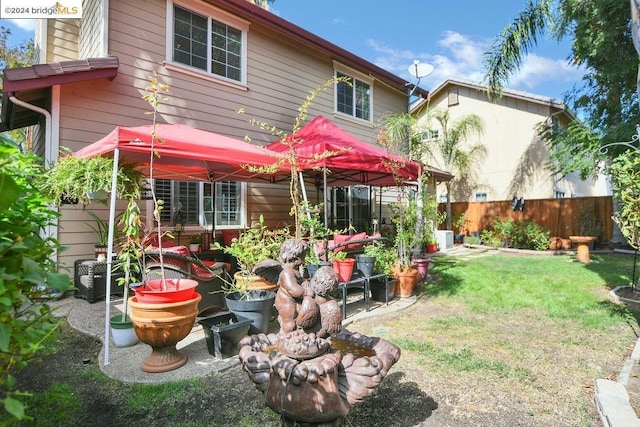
(480, 359)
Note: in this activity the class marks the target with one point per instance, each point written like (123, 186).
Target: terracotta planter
(407, 281)
(162, 326)
(151, 291)
(344, 268)
(431, 248)
(254, 282)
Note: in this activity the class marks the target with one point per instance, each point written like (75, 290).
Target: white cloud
(25, 24)
(457, 55)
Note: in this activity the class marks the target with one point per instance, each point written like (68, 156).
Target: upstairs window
(353, 98)
(208, 43)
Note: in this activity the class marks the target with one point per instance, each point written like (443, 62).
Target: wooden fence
(564, 217)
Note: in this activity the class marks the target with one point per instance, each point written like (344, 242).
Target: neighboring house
(516, 155)
(217, 56)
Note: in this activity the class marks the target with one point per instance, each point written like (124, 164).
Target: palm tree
(506, 54)
(449, 150)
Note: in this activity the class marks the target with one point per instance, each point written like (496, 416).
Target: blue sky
(451, 35)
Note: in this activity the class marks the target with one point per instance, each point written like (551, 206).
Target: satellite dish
(420, 69)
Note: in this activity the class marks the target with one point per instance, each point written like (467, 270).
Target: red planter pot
(344, 269)
(151, 291)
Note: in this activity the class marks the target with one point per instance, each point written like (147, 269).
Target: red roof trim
(46, 75)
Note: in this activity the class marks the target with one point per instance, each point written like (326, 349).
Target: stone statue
(312, 370)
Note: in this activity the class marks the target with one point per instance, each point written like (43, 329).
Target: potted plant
(101, 230)
(252, 246)
(163, 311)
(460, 223)
(386, 257)
(342, 265)
(73, 178)
(195, 243)
(407, 243)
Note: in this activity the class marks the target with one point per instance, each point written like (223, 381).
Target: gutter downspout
(52, 229)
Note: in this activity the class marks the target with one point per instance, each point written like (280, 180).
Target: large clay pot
(407, 281)
(254, 282)
(162, 326)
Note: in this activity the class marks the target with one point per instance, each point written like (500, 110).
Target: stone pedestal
(583, 247)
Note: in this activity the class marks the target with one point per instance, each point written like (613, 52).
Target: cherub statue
(293, 299)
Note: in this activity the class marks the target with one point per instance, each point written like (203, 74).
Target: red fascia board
(64, 78)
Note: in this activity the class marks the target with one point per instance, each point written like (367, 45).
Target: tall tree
(451, 150)
(600, 31)
(21, 55)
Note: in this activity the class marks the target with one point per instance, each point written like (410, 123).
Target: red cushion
(229, 235)
(181, 250)
(340, 238)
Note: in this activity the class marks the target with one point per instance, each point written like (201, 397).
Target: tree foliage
(27, 272)
(625, 174)
(606, 101)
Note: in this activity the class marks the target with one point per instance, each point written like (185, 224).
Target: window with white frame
(209, 43)
(353, 98)
(480, 196)
(195, 201)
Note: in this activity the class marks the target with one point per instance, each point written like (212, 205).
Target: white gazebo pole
(112, 217)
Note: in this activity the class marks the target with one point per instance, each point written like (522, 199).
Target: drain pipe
(50, 230)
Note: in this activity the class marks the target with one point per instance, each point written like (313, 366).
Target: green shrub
(517, 234)
(27, 272)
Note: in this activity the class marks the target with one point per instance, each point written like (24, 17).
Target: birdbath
(313, 371)
(583, 247)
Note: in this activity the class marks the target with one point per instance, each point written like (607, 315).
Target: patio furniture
(90, 279)
(210, 275)
(363, 282)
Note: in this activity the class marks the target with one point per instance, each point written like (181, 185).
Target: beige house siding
(280, 75)
(516, 156)
(91, 30)
(62, 40)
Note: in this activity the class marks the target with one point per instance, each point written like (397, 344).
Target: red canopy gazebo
(352, 161)
(184, 153)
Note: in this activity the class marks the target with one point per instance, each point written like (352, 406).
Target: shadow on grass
(394, 403)
(442, 282)
(616, 269)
